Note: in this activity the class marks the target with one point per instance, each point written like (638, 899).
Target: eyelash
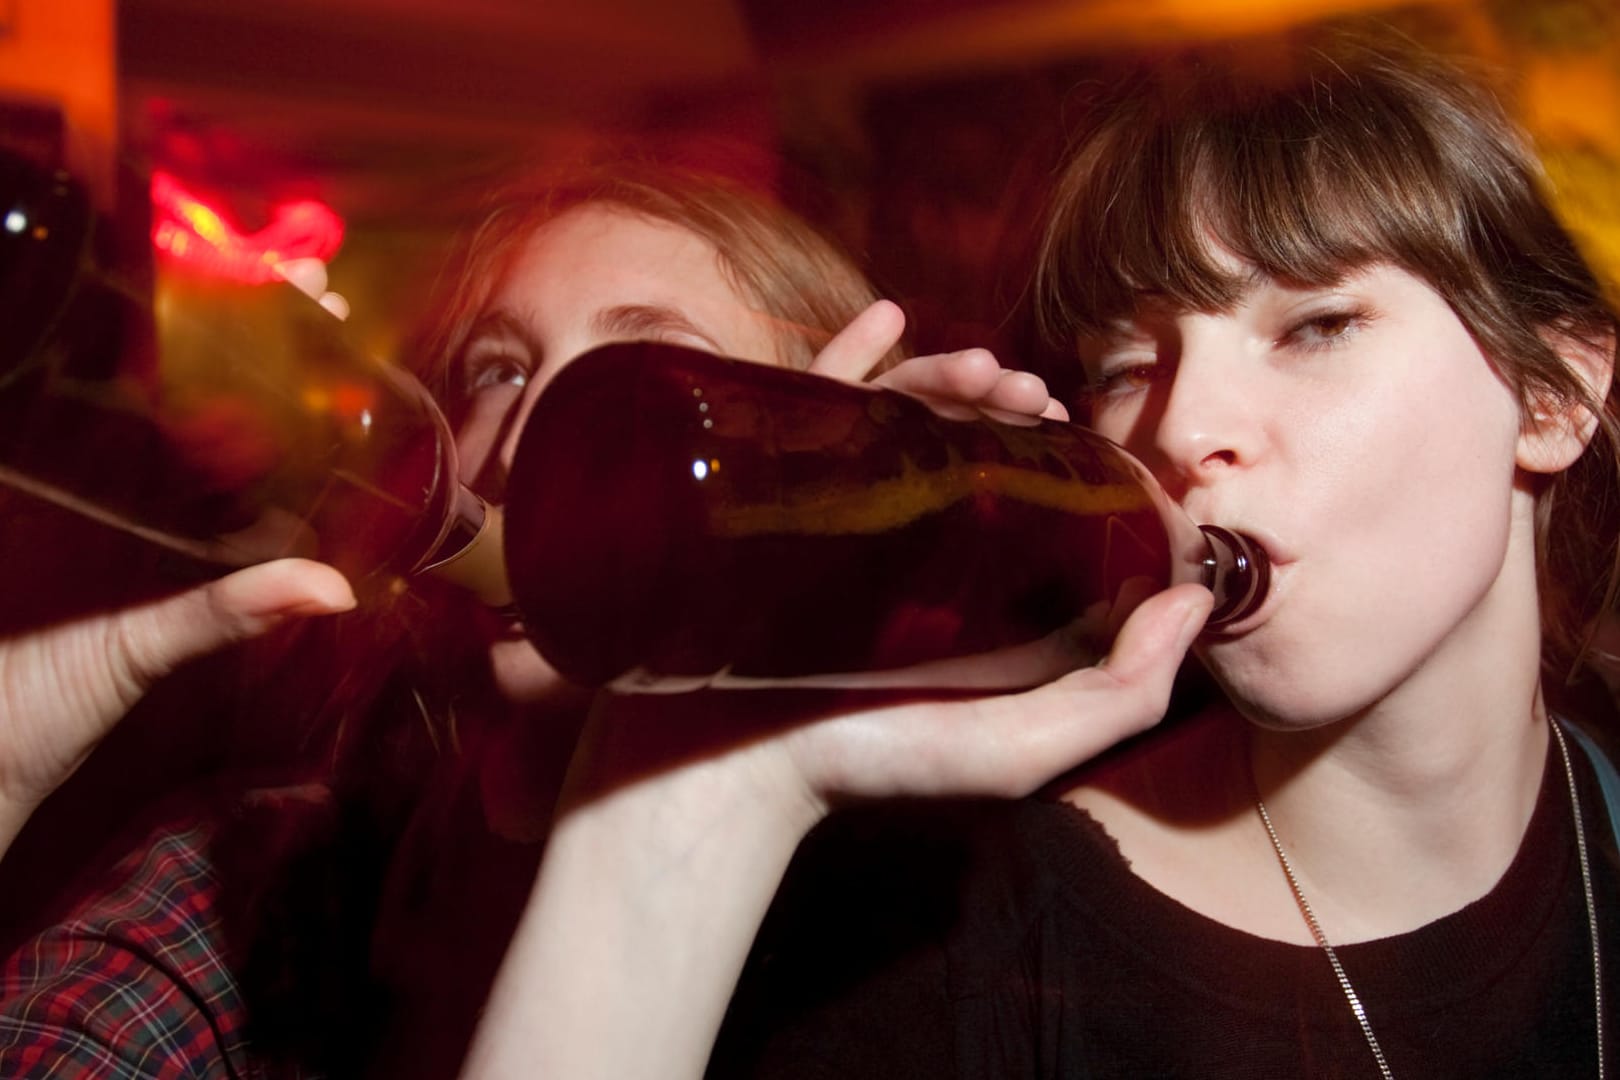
(478, 367)
(1335, 325)
(1348, 320)
(1113, 383)
(1125, 376)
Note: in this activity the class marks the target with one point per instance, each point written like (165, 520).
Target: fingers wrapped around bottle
(947, 728)
(965, 384)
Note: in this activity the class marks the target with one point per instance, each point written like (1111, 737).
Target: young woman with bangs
(1318, 289)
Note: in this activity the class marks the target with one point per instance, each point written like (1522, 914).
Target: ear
(1558, 429)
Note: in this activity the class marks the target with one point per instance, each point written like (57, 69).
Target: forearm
(653, 887)
(641, 919)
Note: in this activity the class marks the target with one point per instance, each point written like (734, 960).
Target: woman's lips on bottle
(1279, 557)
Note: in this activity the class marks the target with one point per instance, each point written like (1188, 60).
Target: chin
(1279, 702)
(1269, 691)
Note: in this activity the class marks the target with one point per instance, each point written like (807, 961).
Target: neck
(1415, 805)
(1392, 826)
(1393, 816)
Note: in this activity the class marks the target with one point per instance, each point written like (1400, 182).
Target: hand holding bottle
(681, 812)
(672, 839)
(961, 384)
(779, 528)
(63, 688)
(1005, 745)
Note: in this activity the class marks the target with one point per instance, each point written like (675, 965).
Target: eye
(489, 377)
(1325, 329)
(486, 369)
(1129, 363)
(1123, 379)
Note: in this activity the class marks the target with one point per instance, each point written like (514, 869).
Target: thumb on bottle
(159, 637)
(1158, 634)
(261, 596)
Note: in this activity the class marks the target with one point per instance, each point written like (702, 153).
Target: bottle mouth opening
(1238, 572)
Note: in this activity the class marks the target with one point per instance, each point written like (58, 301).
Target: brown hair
(1310, 159)
(798, 277)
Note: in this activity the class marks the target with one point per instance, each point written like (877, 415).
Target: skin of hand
(960, 385)
(680, 814)
(63, 688)
(680, 819)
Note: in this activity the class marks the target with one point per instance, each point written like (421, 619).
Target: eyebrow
(500, 324)
(641, 320)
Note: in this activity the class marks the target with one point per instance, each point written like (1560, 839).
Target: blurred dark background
(919, 132)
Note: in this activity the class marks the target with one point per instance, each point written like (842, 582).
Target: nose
(1207, 423)
(487, 438)
(518, 418)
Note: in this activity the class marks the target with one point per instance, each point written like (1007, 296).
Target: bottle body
(230, 424)
(679, 520)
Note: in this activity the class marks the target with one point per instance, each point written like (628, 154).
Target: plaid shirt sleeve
(135, 983)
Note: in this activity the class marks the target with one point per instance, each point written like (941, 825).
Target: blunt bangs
(1304, 176)
(1310, 160)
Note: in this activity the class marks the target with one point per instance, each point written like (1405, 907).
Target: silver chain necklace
(1344, 980)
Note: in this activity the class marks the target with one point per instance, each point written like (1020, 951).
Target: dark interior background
(920, 132)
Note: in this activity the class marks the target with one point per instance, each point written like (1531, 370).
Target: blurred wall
(62, 54)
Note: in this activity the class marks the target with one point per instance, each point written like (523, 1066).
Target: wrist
(664, 758)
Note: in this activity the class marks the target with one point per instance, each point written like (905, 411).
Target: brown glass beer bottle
(677, 520)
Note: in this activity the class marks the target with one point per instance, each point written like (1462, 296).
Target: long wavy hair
(776, 260)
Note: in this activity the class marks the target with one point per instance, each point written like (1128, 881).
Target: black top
(996, 940)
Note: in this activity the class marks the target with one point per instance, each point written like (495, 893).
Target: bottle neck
(1237, 571)
(471, 552)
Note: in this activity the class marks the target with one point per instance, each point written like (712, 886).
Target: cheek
(523, 677)
(1415, 498)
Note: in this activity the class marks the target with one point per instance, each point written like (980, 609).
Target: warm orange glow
(972, 35)
(297, 230)
(1573, 100)
(63, 51)
(352, 400)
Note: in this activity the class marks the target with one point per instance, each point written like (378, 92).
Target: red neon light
(188, 230)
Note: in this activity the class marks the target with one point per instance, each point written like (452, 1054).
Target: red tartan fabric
(135, 982)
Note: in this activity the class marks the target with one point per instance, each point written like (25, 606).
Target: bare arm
(657, 879)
